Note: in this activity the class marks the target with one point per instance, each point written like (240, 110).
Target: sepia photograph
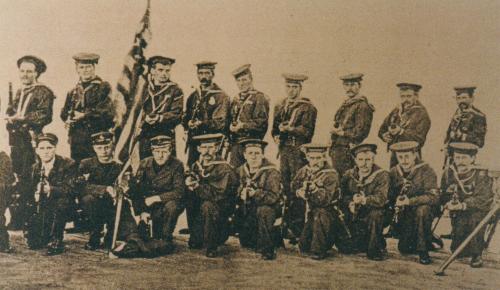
(249, 144)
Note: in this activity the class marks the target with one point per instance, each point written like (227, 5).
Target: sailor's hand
(152, 199)
(403, 201)
(152, 118)
(145, 217)
(301, 193)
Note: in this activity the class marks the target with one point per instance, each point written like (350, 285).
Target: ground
(238, 268)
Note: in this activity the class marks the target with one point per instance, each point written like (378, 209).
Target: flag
(127, 97)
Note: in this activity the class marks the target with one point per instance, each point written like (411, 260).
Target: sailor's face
(463, 162)
(207, 151)
(244, 82)
(86, 71)
(46, 151)
(351, 88)
(407, 160)
(464, 100)
(161, 154)
(161, 73)
(364, 161)
(293, 90)
(104, 152)
(316, 160)
(205, 76)
(27, 73)
(408, 97)
(254, 156)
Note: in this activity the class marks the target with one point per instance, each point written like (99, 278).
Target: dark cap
(51, 138)
(160, 141)
(295, 78)
(84, 57)
(206, 65)
(465, 89)
(251, 142)
(40, 65)
(242, 70)
(313, 147)
(363, 148)
(208, 138)
(102, 138)
(160, 59)
(409, 86)
(464, 148)
(356, 77)
(404, 146)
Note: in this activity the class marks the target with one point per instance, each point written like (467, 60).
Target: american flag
(127, 98)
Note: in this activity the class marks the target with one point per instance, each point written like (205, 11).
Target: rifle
(249, 185)
(194, 117)
(42, 195)
(357, 207)
(398, 210)
(340, 216)
(11, 94)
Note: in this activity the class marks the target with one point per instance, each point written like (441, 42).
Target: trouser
(4, 235)
(367, 231)
(462, 226)
(210, 225)
(291, 160)
(101, 211)
(164, 216)
(23, 157)
(237, 159)
(342, 159)
(48, 224)
(256, 228)
(415, 229)
(317, 236)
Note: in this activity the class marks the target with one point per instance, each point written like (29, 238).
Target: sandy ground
(238, 268)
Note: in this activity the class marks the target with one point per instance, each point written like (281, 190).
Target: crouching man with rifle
(95, 183)
(157, 192)
(412, 193)
(364, 193)
(51, 182)
(259, 203)
(212, 186)
(467, 194)
(318, 184)
(7, 179)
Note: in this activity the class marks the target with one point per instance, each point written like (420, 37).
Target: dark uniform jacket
(38, 102)
(151, 179)
(266, 180)
(474, 188)
(467, 126)
(211, 107)
(250, 109)
(300, 114)
(218, 183)
(60, 178)
(326, 181)
(98, 176)
(355, 117)
(165, 101)
(6, 180)
(93, 99)
(423, 189)
(375, 186)
(414, 121)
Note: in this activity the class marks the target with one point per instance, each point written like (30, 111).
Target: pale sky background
(438, 44)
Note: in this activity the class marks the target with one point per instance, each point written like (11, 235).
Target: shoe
(90, 246)
(211, 254)
(268, 256)
(424, 258)
(376, 257)
(55, 248)
(7, 250)
(318, 256)
(476, 262)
